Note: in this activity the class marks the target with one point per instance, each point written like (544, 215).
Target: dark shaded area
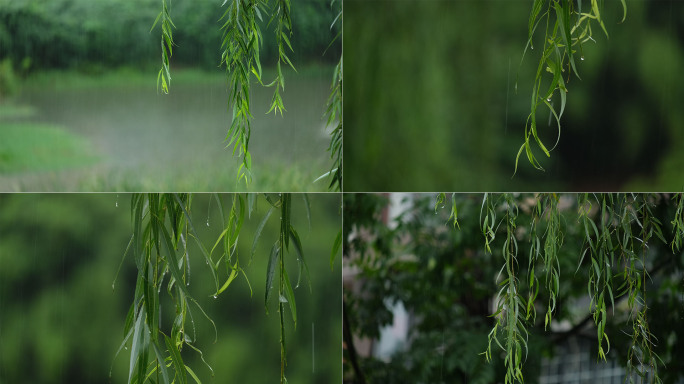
(431, 102)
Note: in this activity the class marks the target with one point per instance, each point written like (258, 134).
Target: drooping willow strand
(286, 236)
(641, 359)
(164, 76)
(241, 44)
(546, 208)
(565, 29)
(162, 225)
(510, 308)
(334, 111)
(678, 223)
(617, 231)
(599, 245)
(159, 247)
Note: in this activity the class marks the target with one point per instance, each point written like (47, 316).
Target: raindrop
(442, 350)
(214, 296)
(582, 58)
(312, 349)
(531, 46)
(548, 98)
(207, 221)
(125, 347)
(116, 204)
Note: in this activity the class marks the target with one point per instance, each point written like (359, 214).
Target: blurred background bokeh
(430, 101)
(61, 321)
(79, 108)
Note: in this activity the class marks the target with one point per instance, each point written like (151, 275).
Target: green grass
(40, 147)
(13, 111)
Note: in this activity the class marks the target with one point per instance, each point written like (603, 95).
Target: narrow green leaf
(300, 255)
(289, 294)
(136, 343)
(270, 271)
(177, 360)
(173, 261)
(230, 279)
(307, 207)
(192, 374)
(157, 20)
(259, 229)
(162, 362)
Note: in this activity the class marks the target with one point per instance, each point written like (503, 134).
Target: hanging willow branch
(241, 43)
(161, 226)
(334, 112)
(164, 76)
(599, 245)
(283, 32)
(159, 246)
(678, 223)
(286, 236)
(641, 359)
(546, 207)
(510, 307)
(566, 28)
(617, 231)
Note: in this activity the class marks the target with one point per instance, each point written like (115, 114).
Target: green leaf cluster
(287, 235)
(162, 226)
(565, 28)
(164, 76)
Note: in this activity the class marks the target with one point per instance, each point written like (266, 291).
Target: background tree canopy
(61, 321)
(411, 253)
(91, 35)
(431, 102)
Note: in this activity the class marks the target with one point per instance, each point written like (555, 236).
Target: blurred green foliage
(8, 81)
(93, 35)
(447, 282)
(61, 319)
(431, 101)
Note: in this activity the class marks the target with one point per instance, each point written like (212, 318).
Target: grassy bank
(70, 131)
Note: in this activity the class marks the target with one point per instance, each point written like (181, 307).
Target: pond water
(176, 142)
